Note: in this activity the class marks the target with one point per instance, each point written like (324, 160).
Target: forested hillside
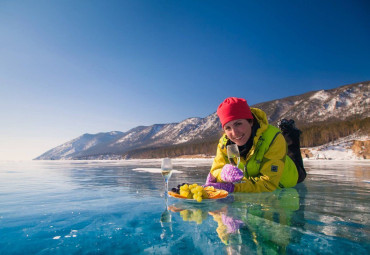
(205, 148)
(313, 135)
(325, 132)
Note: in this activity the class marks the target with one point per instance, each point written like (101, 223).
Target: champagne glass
(166, 171)
(233, 154)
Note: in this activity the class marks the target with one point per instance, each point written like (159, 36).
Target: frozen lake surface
(118, 207)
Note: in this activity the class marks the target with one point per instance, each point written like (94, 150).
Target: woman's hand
(210, 179)
(231, 173)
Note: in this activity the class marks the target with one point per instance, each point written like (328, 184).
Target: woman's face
(238, 131)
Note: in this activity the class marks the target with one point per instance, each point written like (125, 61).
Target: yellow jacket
(266, 166)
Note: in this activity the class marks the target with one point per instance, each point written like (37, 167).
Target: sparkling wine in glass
(166, 170)
(233, 154)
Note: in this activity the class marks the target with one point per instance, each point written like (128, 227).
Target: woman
(263, 151)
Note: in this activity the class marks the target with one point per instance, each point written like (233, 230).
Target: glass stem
(165, 187)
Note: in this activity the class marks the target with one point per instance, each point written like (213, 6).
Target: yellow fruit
(184, 193)
(199, 199)
(184, 187)
(214, 194)
(204, 194)
(210, 188)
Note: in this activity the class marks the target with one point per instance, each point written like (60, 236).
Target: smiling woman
(264, 159)
(239, 131)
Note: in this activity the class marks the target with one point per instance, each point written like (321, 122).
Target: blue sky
(74, 67)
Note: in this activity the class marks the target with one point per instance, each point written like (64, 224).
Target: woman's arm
(271, 169)
(218, 163)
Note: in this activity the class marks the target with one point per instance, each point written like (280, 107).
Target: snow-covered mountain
(80, 145)
(346, 102)
(114, 144)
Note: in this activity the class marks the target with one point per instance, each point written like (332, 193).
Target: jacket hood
(261, 118)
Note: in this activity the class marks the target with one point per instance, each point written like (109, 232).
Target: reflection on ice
(72, 207)
(250, 220)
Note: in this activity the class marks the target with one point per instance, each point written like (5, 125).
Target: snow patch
(320, 95)
(337, 150)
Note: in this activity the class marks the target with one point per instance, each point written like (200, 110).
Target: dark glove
(231, 173)
(229, 187)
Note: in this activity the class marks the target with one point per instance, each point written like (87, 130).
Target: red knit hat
(233, 108)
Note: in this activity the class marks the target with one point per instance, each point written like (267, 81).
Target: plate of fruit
(195, 192)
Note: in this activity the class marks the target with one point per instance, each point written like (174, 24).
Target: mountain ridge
(339, 104)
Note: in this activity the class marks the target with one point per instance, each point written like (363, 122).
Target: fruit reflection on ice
(195, 215)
